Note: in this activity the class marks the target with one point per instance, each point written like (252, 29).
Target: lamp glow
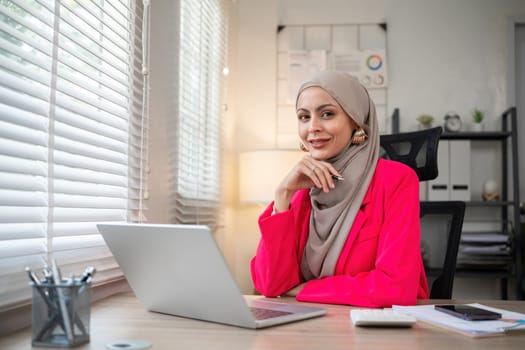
(261, 171)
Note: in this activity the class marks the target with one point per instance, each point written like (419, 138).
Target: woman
(344, 225)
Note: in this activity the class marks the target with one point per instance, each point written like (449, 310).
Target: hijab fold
(333, 213)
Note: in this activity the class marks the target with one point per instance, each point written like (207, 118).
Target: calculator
(380, 318)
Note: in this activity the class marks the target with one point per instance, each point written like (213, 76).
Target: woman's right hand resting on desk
(307, 173)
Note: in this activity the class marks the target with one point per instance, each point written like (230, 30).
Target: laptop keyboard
(263, 314)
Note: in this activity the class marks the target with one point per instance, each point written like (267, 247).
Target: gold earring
(359, 136)
(303, 147)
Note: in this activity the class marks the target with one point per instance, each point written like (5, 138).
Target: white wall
(162, 71)
(448, 55)
(331, 11)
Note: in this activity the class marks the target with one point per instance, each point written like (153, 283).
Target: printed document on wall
(303, 64)
(368, 66)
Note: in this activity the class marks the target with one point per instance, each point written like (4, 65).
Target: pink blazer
(380, 264)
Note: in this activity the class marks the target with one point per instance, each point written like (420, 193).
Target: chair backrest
(454, 212)
(418, 149)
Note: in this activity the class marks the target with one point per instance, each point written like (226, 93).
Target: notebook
(180, 270)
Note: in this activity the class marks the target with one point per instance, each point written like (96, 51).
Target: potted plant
(477, 116)
(425, 121)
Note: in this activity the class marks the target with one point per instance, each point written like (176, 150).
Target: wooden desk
(122, 317)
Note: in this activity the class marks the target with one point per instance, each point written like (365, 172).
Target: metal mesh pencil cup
(60, 314)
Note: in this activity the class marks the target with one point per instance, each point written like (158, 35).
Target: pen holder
(60, 314)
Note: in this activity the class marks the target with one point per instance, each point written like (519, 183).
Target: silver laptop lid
(178, 270)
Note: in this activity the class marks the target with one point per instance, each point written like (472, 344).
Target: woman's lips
(318, 143)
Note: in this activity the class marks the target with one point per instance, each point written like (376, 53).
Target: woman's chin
(320, 154)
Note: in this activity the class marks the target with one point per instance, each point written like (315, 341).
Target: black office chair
(418, 149)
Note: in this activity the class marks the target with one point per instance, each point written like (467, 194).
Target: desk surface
(122, 317)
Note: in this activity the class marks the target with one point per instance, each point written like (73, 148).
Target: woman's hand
(305, 174)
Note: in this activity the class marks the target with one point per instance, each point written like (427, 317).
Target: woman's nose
(315, 124)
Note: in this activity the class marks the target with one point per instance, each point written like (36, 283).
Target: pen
(84, 285)
(86, 278)
(338, 178)
(32, 276)
(516, 326)
(88, 272)
(48, 275)
(62, 302)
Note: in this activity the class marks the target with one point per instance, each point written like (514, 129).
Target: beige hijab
(333, 213)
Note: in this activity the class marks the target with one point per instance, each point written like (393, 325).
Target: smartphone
(468, 312)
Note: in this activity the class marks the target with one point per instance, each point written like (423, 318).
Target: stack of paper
(484, 249)
(509, 322)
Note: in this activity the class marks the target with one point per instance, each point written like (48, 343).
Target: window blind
(202, 56)
(72, 131)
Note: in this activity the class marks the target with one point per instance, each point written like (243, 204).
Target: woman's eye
(327, 114)
(303, 116)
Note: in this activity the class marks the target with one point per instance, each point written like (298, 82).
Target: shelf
(484, 237)
(492, 273)
(489, 204)
(486, 204)
(482, 273)
(485, 263)
(476, 135)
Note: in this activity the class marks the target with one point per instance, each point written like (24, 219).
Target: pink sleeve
(275, 267)
(395, 278)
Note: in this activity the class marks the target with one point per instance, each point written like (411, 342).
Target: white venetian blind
(202, 45)
(71, 126)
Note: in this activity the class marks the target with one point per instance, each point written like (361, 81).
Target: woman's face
(324, 127)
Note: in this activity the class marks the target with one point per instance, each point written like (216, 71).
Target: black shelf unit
(509, 203)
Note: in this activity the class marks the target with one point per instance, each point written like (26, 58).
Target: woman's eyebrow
(320, 107)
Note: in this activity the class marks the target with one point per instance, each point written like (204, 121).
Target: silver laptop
(180, 270)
